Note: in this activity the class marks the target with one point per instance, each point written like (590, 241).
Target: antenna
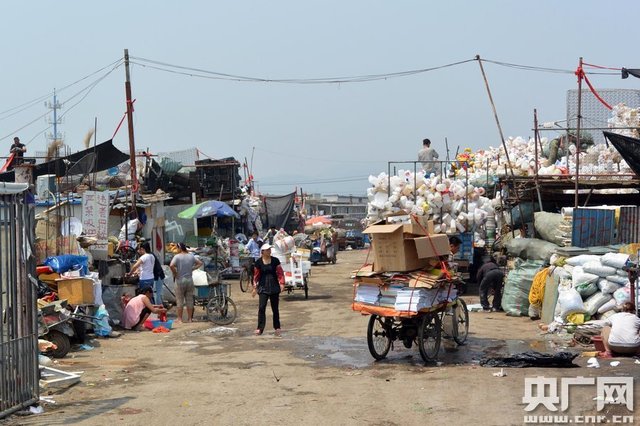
(54, 106)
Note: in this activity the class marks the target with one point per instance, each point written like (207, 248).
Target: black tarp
(107, 156)
(532, 359)
(277, 210)
(628, 147)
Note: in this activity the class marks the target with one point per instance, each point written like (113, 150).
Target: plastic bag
(579, 277)
(582, 259)
(587, 289)
(569, 301)
(607, 286)
(592, 304)
(67, 262)
(515, 298)
(530, 248)
(618, 279)
(598, 269)
(549, 226)
(101, 325)
(616, 260)
(622, 295)
(606, 307)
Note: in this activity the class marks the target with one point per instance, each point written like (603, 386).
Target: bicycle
(246, 275)
(215, 298)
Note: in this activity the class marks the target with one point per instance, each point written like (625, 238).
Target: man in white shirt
(622, 335)
(427, 155)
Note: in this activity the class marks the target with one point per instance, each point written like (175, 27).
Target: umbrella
(318, 219)
(208, 208)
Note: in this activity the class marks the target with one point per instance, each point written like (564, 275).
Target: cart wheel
(378, 337)
(334, 260)
(429, 334)
(61, 340)
(460, 322)
(221, 311)
(244, 280)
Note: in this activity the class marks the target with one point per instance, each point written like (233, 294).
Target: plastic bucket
(598, 343)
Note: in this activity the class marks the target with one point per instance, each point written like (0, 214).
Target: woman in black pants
(268, 282)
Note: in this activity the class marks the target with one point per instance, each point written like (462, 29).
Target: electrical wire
(198, 72)
(288, 155)
(86, 89)
(321, 181)
(39, 99)
(540, 69)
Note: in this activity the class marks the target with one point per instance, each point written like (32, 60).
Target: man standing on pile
(17, 149)
(427, 155)
(559, 147)
(490, 276)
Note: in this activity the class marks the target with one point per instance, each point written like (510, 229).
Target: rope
(601, 67)
(122, 120)
(536, 293)
(580, 73)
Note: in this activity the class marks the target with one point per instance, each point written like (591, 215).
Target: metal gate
(18, 327)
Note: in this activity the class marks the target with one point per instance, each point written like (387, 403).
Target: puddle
(354, 353)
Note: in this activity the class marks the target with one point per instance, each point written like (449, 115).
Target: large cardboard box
(416, 225)
(391, 251)
(432, 246)
(77, 291)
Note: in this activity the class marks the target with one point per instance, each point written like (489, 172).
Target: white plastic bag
(598, 269)
(607, 286)
(582, 259)
(609, 305)
(592, 304)
(622, 295)
(620, 280)
(616, 260)
(570, 301)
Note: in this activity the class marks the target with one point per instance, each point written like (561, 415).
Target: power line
(31, 103)
(319, 181)
(86, 89)
(198, 72)
(300, 157)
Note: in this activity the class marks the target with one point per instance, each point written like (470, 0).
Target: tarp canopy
(318, 219)
(106, 156)
(278, 209)
(628, 147)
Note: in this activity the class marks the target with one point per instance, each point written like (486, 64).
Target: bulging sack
(570, 302)
(582, 259)
(592, 304)
(598, 269)
(616, 260)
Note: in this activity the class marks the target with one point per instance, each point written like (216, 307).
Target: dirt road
(319, 372)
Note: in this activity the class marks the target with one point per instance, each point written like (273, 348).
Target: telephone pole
(132, 143)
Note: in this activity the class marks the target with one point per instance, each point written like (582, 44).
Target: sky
(321, 138)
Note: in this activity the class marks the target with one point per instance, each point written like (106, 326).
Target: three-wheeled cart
(296, 275)
(425, 328)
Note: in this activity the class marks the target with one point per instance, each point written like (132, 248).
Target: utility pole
(132, 143)
(575, 201)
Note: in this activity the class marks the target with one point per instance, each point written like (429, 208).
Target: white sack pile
(445, 201)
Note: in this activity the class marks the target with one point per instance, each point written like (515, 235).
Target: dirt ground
(319, 372)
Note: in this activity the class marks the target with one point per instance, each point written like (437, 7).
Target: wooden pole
(575, 203)
(132, 143)
(504, 145)
(536, 137)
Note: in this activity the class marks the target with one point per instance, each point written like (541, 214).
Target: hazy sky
(303, 134)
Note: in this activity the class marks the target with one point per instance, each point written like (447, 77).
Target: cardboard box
(392, 252)
(432, 246)
(77, 291)
(415, 225)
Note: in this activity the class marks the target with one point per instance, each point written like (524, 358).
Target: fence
(18, 326)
